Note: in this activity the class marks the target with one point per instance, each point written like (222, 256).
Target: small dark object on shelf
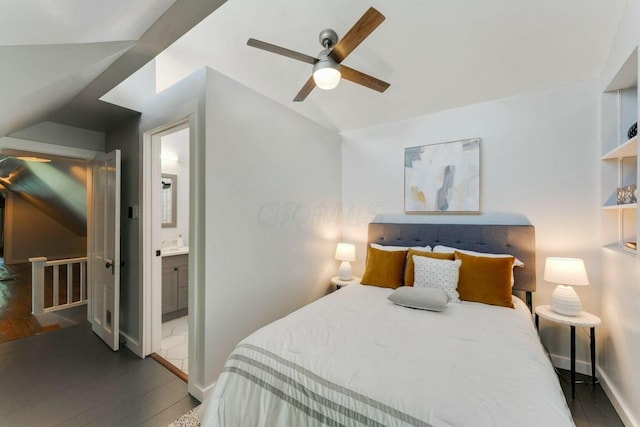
(633, 130)
(631, 245)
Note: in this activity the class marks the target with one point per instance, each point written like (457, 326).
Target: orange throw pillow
(384, 268)
(409, 272)
(485, 280)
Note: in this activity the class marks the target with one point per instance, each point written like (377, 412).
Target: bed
(355, 358)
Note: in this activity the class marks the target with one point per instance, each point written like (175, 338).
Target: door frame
(152, 264)
(11, 146)
(187, 102)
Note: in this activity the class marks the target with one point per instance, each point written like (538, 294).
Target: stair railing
(38, 271)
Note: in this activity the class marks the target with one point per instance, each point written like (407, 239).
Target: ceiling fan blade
(363, 79)
(281, 51)
(306, 90)
(360, 31)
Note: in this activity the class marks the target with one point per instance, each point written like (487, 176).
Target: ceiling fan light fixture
(326, 73)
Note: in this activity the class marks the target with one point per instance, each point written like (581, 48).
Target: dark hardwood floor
(16, 320)
(590, 407)
(69, 377)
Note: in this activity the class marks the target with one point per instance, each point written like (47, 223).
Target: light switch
(134, 212)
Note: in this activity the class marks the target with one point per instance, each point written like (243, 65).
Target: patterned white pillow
(438, 273)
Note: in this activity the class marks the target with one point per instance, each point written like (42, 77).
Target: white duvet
(354, 358)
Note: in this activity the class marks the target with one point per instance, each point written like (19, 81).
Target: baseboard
(616, 400)
(199, 392)
(564, 362)
(132, 344)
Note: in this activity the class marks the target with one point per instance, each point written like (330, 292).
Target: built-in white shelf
(628, 149)
(621, 207)
(619, 165)
(616, 248)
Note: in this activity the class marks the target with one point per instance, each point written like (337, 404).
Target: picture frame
(442, 177)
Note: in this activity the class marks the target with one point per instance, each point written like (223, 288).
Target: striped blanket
(353, 358)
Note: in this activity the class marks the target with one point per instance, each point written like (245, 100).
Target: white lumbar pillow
(421, 298)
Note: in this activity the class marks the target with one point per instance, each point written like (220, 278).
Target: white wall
(272, 202)
(177, 144)
(264, 217)
(539, 162)
(620, 330)
(184, 99)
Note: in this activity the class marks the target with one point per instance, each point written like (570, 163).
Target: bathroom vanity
(175, 283)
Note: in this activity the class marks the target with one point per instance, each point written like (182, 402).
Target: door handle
(111, 266)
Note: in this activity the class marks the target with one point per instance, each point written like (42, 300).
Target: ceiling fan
(327, 69)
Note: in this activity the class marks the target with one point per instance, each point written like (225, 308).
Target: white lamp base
(565, 300)
(344, 272)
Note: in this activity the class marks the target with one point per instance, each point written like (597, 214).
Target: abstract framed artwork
(444, 177)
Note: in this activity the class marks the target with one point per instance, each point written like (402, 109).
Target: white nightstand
(583, 319)
(335, 280)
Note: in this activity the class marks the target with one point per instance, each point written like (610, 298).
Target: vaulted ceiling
(59, 56)
(437, 54)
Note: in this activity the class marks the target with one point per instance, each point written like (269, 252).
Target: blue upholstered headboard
(517, 240)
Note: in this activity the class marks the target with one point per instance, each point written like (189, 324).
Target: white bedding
(354, 358)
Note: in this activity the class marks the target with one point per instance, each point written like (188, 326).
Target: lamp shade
(566, 271)
(345, 252)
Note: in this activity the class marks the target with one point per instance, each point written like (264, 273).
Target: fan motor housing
(328, 38)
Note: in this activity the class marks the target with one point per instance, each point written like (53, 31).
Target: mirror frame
(174, 185)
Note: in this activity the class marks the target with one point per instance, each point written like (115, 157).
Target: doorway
(43, 214)
(170, 231)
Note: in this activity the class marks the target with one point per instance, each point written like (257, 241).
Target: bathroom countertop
(175, 250)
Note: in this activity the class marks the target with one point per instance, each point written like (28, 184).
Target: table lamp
(345, 252)
(567, 272)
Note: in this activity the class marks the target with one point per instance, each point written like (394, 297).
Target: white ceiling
(76, 21)
(437, 54)
(51, 49)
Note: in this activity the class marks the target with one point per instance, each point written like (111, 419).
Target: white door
(105, 248)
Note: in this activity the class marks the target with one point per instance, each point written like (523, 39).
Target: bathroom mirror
(168, 200)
